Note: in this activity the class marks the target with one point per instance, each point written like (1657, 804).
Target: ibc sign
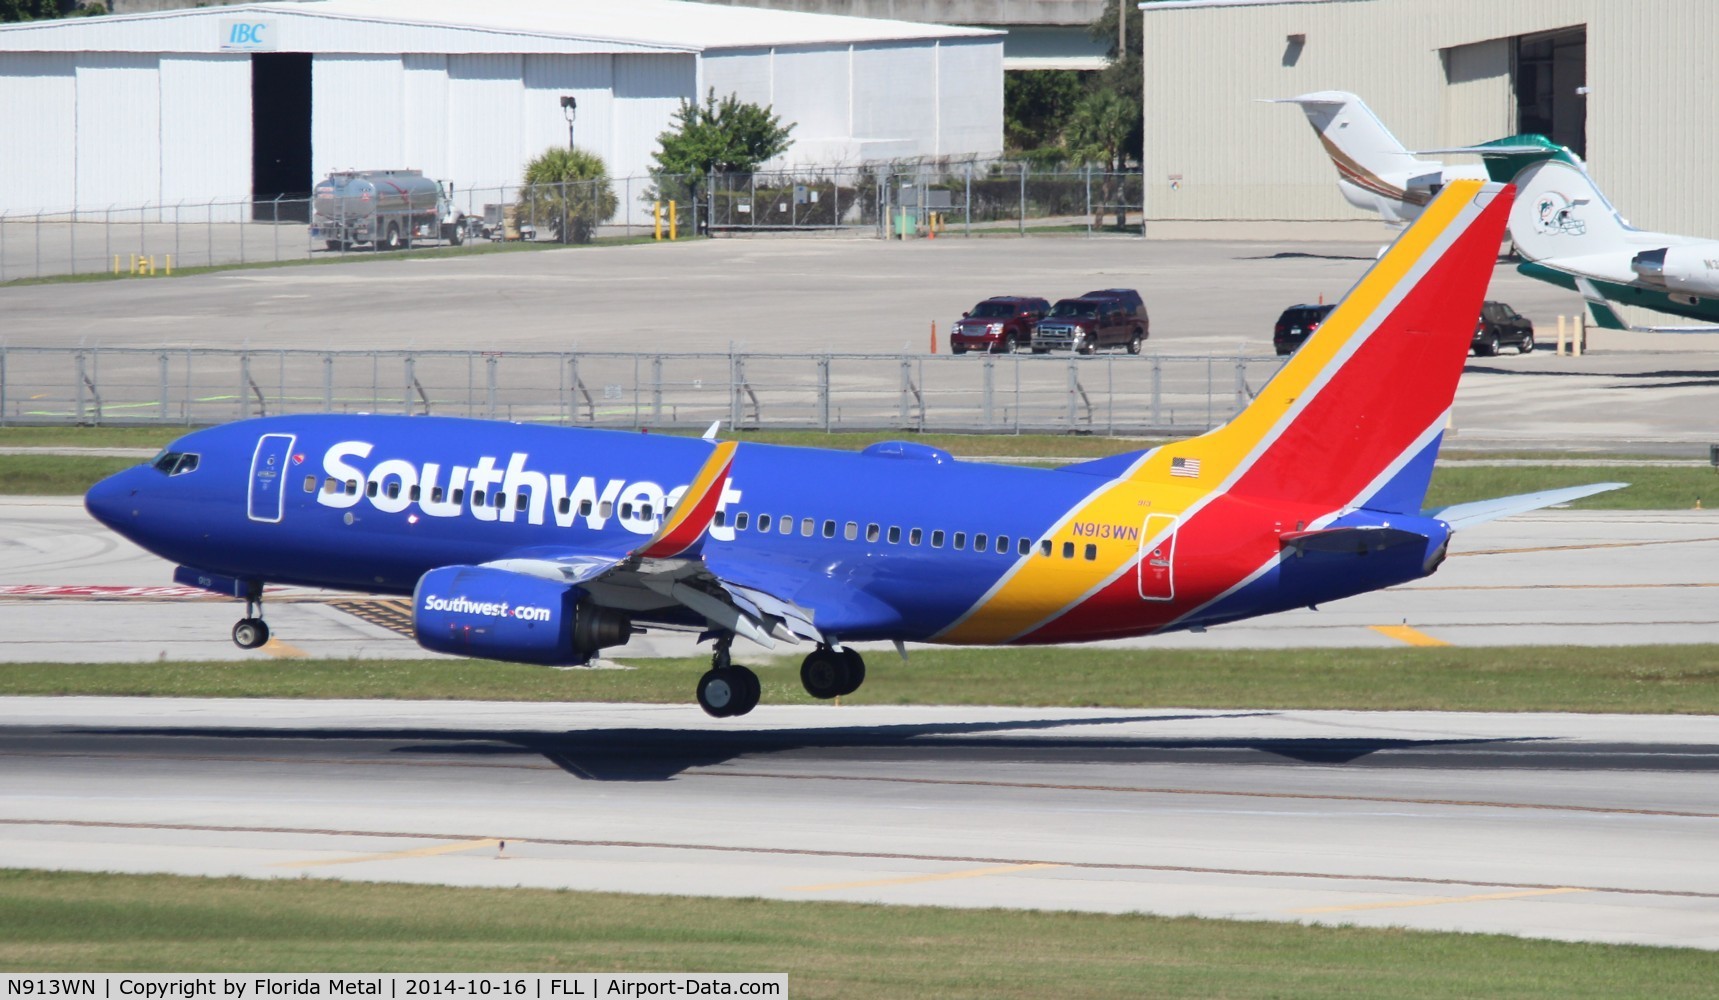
(249, 36)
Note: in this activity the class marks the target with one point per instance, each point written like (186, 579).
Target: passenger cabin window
(937, 539)
(370, 488)
(519, 500)
(627, 513)
(829, 529)
(785, 524)
(310, 484)
(1045, 547)
(960, 540)
(477, 498)
(1002, 544)
(850, 531)
(415, 493)
(331, 486)
(606, 509)
(584, 508)
(808, 526)
(721, 518)
(915, 536)
(1026, 547)
(1091, 552)
(564, 504)
(979, 543)
(459, 496)
(436, 494)
(394, 490)
(1068, 550)
(739, 519)
(352, 486)
(764, 523)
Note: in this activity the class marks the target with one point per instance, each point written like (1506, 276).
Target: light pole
(570, 108)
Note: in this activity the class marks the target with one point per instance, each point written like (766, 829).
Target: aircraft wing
(1464, 515)
(671, 569)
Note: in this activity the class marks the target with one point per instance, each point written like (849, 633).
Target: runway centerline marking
(1443, 900)
(417, 852)
(935, 877)
(1412, 636)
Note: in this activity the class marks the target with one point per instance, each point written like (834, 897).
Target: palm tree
(569, 190)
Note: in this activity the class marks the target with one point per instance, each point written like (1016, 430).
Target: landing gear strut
(251, 631)
(727, 689)
(831, 673)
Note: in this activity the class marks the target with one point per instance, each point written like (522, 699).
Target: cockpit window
(175, 463)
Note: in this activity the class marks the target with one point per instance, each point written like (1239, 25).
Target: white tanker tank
(388, 209)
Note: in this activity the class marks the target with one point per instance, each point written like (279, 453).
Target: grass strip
(64, 921)
(1681, 679)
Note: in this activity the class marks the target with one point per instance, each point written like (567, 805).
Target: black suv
(1295, 324)
(1498, 326)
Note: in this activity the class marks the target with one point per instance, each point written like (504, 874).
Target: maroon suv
(998, 325)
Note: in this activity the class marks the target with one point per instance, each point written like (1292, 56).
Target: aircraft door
(1158, 558)
(268, 477)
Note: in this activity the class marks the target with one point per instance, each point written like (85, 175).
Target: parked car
(1000, 324)
(1109, 317)
(1498, 326)
(1296, 323)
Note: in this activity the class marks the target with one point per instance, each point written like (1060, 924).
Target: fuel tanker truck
(388, 209)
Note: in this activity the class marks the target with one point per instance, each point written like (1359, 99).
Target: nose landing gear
(727, 689)
(251, 631)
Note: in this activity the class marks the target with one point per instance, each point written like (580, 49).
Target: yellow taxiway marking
(941, 877)
(421, 852)
(1441, 900)
(284, 651)
(1412, 636)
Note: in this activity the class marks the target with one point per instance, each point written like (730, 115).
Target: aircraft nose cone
(112, 501)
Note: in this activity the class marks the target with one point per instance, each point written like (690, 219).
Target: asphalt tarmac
(1587, 828)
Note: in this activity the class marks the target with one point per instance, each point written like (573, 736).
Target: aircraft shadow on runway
(1304, 255)
(642, 755)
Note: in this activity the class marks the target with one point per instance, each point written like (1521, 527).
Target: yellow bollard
(674, 221)
(152, 265)
(134, 263)
(657, 215)
(1560, 336)
(116, 263)
(1579, 335)
(170, 265)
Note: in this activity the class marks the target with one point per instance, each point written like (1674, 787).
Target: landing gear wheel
(855, 669)
(728, 691)
(1135, 341)
(1527, 345)
(826, 673)
(250, 633)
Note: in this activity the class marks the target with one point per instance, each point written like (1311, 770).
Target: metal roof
(589, 25)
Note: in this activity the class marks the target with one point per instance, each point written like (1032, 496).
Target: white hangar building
(259, 100)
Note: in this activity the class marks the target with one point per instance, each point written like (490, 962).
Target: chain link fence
(888, 200)
(1103, 394)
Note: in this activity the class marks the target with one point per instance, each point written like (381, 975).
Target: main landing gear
(251, 631)
(831, 673)
(727, 689)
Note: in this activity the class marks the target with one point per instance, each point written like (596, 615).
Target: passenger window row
(784, 525)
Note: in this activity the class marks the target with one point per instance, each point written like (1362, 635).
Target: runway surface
(1588, 828)
(72, 591)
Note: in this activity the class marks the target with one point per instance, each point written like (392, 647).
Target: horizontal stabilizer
(1465, 515)
(1349, 541)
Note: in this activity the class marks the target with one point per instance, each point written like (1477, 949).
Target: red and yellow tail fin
(684, 528)
(1358, 410)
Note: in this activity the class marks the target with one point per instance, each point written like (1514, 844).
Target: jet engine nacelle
(501, 615)
(1691, 269)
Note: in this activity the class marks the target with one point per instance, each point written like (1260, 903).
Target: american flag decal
(1189, 467)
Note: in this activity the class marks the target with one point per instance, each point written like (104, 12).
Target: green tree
(729, 135)
(1037, 105)
(726, 136)
(42, 10)
(568, 189)
(1125, 76)
(1101, 131)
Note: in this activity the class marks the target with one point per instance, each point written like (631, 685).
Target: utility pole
(569, 108)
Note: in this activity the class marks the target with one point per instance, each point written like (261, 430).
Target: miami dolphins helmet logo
(1553, 217)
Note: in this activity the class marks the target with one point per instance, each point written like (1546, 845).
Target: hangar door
(280, 136)
(1549, 69)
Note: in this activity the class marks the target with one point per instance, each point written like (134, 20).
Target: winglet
(683, 530)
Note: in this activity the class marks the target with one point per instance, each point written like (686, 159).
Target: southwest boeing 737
(546, 545)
